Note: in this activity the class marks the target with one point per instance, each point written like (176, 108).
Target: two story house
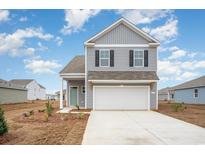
(118, 71)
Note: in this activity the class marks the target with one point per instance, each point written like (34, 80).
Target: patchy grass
(193, 113)
(35, 130)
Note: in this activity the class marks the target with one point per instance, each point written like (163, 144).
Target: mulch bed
(193, 113)
(34, 130)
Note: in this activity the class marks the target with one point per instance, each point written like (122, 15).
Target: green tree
(3, 123)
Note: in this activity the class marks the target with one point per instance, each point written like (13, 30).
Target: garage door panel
(121, 98)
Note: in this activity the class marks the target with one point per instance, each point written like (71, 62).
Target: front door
(73, 96)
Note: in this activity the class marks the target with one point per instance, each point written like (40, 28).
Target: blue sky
(37, 44)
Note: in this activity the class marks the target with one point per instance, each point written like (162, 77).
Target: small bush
(3, 123)
(31, 112)
(49, 108)
(178, 107)
(81, 115)
(25, 115)
(77, 106)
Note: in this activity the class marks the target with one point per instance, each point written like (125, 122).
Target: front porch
(75, 92)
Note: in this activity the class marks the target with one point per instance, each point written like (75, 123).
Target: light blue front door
(73, 96)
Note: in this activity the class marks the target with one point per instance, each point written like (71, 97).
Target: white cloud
(39, 66)
(75, 20)
(41, 47)
(4, 15)
(166, 32)
(188, 75)
(23, 19)
(14, 43)
(177, 54)
(144, 16)
(166, 67)
(59, 41)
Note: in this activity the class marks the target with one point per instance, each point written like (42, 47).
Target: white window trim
(104, 58)
(142, 50)
(194, 96)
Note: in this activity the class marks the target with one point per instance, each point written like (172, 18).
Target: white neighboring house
(35, 90)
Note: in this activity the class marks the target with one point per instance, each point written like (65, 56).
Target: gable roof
(76, 65)
(41, 86)
(199, 82)
(1, 80)
(23, 82)
(129, 25)
(164, 90)
(9, 85)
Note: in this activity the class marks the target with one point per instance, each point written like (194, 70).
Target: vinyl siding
(186, 96)
(163, 97)
(121, 60)
(12, 96)
(35, 91)
(80, 84)
(121, 35)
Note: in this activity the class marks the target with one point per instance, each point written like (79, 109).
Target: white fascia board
(73, 77)
(71, 74)
(127, 23)
(122, 45)
(122, 81)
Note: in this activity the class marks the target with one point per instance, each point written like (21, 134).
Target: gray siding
(121, 35)
(12, 96)
(186, 96)
(121, 60)
(79, 84)
(153, 93)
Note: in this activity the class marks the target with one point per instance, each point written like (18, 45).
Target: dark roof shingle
(122, 75)
(199, 82)
(76, 65)
(23, 82)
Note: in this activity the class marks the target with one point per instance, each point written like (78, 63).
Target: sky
(37, 44)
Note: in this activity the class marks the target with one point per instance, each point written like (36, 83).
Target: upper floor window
(105, 58)
(196, 93)
(138, 58)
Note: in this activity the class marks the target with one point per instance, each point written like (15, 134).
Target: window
(138, 58)
(196, 93)
(105, 58)
(83, 89)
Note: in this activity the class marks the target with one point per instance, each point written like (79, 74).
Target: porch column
(67, 94)
(61, 95)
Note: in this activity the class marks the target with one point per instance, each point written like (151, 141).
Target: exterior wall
(186, 96)
(153, 93)
(79, 84)
(35, 91)
(12, 95)
(163, 97)
(121, 60)
(121, 35)
(153, 96)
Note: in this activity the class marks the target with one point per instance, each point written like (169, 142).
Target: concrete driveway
(140, 127)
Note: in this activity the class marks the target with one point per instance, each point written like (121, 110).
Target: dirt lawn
(35, 130)
(194, 114)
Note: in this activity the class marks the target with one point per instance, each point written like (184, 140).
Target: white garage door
(120, 98)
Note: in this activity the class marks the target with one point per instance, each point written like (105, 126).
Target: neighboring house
(118, 71)
(35, 90)
(191, 92)
(165, 94)
(58, 94)
(51, 96)
(12, 93)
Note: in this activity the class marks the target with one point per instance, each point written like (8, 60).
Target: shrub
(81, 115)
(31, 112)
(43, 110)
(3, 123)
(77, 106)
(49, 108)
(178, 107)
